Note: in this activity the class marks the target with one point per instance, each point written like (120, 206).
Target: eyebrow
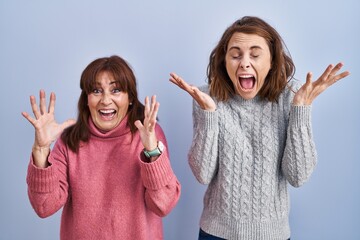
(251, 48)
(99, 83)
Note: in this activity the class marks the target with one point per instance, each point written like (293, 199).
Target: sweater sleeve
(203, 154)
(162, 186)
(48, 187)
(299, 158)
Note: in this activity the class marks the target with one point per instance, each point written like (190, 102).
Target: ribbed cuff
(300, 115)
(40, 180)
(157, 174)
(210, 119)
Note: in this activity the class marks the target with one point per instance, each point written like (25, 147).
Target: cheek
(264, 68)
(231, 67)
(91, 103)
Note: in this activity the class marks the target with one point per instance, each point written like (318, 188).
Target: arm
(299, 158)
(46, 178)
(162, 186)
(300, 155)
(203, 154)
(48, 187)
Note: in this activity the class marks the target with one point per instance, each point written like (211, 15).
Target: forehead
(104, 78)
(245, 41)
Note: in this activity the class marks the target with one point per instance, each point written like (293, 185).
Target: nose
(106, 98)
(244, 63)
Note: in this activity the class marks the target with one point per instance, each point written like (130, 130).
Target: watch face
(161, 146)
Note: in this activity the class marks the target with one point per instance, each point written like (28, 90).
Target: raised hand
(203, 99)
(310, 90)
(147, 129)
(46, 128)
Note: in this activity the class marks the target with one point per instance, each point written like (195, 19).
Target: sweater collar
(121, 129)
(237, 99)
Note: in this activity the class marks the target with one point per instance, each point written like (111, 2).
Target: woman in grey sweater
(252, 133)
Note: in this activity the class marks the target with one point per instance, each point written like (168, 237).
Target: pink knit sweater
(107, 190)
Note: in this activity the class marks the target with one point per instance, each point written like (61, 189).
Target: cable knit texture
(247, 151)
(107, 190)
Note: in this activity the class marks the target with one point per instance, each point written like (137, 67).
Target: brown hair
(282, 66)
(126, 81)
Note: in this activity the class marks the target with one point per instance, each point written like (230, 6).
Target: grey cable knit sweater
(247, 151)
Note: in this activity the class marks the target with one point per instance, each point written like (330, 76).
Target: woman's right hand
(203, 99)
(46, 128)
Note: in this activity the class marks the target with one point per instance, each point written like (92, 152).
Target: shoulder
(204, 88)
(158, 128)
(160, 134)
(292, 86)
(159, 131)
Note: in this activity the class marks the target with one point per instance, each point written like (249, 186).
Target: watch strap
(156, 152)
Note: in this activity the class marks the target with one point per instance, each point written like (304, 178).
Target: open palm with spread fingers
(310, 90)
(46, 128)
(203, 99)
(147, 128)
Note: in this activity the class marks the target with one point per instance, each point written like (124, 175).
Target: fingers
(28, 117)
(309, 78)
(330, 76)
(342, 75)
(41, 109)
(192, 90)
(139, 125)
(154, 108)
(177, 80)
(147, 107)
(338, 76)
(42, 102)
(174, 78)
(151, 110)
(311, 90)
(52, 103)
(331, 73)
(34, 107)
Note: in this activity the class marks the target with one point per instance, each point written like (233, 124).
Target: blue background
(47, 44)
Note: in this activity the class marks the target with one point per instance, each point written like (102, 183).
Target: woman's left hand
(310, 90)
(147, 130)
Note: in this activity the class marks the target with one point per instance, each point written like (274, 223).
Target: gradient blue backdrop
(47, 44)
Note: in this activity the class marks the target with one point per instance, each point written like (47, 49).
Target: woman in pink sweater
(109, 170)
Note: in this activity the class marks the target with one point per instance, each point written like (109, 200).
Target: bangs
(120, 80)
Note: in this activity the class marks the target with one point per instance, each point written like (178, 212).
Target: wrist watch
(156, 152)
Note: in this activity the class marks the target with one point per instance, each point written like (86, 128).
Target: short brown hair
(282, 66)
(125, 80)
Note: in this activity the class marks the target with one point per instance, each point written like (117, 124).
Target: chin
(247, 95)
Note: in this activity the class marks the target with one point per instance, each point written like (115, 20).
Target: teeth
(246, 76)
(106, 111)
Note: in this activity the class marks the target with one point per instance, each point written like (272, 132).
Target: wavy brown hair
(282, 66)
(124, 79)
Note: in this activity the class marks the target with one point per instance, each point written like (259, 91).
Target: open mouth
(247, 82)
(107, 114)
